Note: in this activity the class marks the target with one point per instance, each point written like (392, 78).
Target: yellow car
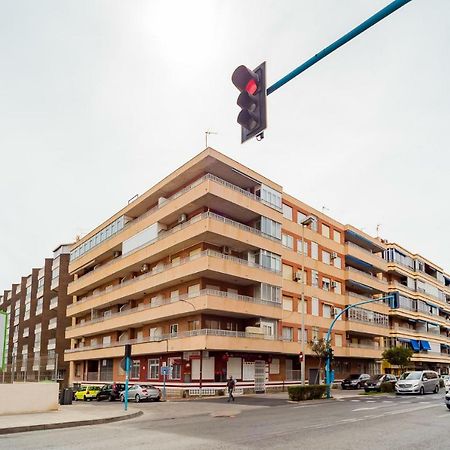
(87, 393)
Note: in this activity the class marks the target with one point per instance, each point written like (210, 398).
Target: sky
(100, 99)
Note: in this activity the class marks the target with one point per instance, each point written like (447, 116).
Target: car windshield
(411, 376)
(354, 376)
(377, 377)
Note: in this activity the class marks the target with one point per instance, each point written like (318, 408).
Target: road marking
(366, 408)
(388, 401)
(355, 400)
(370, 401)
(305, 406)
(444, 415)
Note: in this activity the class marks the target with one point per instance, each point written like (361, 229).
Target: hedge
(308, 392)
(387, 387)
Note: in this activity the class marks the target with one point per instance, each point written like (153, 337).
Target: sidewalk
(67, 416)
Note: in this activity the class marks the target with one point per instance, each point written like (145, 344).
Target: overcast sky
(99, 100)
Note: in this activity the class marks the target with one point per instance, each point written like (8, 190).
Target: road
(369, 422)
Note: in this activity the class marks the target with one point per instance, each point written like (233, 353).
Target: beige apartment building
(204, 273)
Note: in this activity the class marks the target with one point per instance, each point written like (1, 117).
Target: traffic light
(330, 353)
(252, 100)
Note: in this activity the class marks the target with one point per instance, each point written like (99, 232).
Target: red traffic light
(245, 80)
(300, 356)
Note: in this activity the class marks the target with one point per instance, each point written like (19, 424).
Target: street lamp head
(308, 221)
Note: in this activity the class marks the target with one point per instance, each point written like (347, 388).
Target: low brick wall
(20, 398)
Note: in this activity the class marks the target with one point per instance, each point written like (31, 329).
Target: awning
(362, 241)
(404, 340)
(358, 262)
(425, 345)
(415, 345)
(434, 324)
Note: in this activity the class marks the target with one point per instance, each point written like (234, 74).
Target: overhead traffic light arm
(380, 15)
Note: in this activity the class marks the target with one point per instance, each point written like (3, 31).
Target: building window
(314, 250)
(26, 332)
(327, 311)
(52, 323)
(336, 236)
(326, 284)
(315, 333)
(315, 306)
(153, 369)
(305, 335)
(135, 369)
(270, 227)
(287, 241)
(39, 303)
(268, 260)
(338, 340)
(106, 340)
(288, 333)
(305, 247)
(337, 287)
(337, 262)
(325, 230)
(314, 278)
(287, 212)
(287, 303)
(53, 302)
(193, 325)
(212, 324)
(77, 369)
(173, 329)
(326, 257)
(287, 272)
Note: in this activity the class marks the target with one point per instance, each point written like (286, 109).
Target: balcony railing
(173, 336)
(368, 346)
(161, 268)
(182, 226)
(414, 331)
(186, 189)
(181, 298)
(365, 274)
(356, 246)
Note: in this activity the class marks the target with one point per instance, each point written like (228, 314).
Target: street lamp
(304, 223)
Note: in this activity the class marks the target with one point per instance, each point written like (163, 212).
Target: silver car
(139, 392)
(418, 382)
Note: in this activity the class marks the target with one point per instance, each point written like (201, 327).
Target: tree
(398, 356)
(320, 348)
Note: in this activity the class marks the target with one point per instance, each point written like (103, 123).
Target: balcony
(141, 254)
(366, 279)
(165, 275)
(209, 299)
(373, 259)
(206, 178)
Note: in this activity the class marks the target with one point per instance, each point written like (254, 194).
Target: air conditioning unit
(226, 250)
(334, 255)
(144, 268)
(161, 201)
(182, 218)
(116, 254)
(298, 276)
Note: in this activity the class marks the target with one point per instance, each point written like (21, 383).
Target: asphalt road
(404, 422)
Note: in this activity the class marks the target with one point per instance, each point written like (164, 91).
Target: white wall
(19, 398)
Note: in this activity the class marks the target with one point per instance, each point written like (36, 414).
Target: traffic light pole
(328, 336)
(380, 15)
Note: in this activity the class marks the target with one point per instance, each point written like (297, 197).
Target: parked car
(87, 393)
(374, 383)
(447, 399)
(355, 381)
(418, 382)
(446, 379)
(140, 392)
(110, 392)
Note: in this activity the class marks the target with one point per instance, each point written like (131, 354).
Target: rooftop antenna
(206, 136)
(324, 208)
(378, 229)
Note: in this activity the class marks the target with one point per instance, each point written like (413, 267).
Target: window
(39, 303)
(314, 250)
(106, 340)
(52, 323)
(326, 284)
(268, 260)
(314, 278)
(153, 369)
(325, 231)
(287, 303)
(337, 287)
(287, 272)
(315, 333)
(274, 366)
(135, 369)
(315, 306)
(193, 325)
(174, 295)
(305, 335)
(337, 262)
(26, 332)
(193, 254)
(53, 302)
(270, 227)
(174, 329)
(338, 340)
(175, 373)
(336, 236)
(287, 241)
(77, 369)
(270, 196)
(337, 311)
(194, 290)
(51, 344)
(327, 311)
(326, 257)
(212, 324)
(287, 212)
(305, 247)
(268, 292)
(314, 224)
(288, 333)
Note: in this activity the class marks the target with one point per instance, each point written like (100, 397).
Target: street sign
(165, 370)
(3, 326)
(123, 365)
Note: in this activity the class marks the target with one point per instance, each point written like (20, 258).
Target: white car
(446, 379)
(139, 392)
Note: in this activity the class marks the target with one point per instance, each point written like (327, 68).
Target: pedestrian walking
(231, 384)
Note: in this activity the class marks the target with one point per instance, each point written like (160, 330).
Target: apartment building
(204, 273)
(36, 310)
(420, 314)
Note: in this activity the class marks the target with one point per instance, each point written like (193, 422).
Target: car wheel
(111, 398)
(358, 386)
(157, 399)
(98, 398)
(422, 391)
(448, 406)
(137, 398)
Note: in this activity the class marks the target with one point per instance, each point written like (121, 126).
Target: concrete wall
(19, 398)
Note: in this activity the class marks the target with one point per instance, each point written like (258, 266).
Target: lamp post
(304, 223)
(327, 339)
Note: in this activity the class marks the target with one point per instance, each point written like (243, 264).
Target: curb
(79, 423)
